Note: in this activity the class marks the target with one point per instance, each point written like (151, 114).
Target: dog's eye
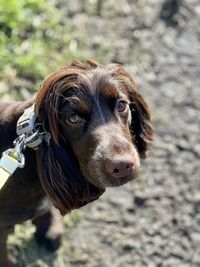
(73, 118)
(122, 106)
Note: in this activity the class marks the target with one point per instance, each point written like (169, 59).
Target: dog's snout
(119, 166)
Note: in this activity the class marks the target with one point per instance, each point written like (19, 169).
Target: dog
(99, 129)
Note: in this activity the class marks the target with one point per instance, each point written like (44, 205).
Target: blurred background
(154, 221)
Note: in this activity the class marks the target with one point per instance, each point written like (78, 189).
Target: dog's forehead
(95, 86)
(101, 83)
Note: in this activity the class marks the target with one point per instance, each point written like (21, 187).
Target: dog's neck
(94, 194)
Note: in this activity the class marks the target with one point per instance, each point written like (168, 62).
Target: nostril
(129, 166)
(115, 170)
(119, 166)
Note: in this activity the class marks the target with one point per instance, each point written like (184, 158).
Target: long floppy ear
(141, 125)
(59, 170)
(62, 179)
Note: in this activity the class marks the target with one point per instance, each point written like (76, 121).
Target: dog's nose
(119, 166)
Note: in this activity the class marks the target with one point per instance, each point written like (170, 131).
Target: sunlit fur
(72, 169)
(66, 181)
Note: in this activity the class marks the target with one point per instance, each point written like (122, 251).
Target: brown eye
(122, 106)
(73, 118)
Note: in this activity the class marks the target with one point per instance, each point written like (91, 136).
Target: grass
(26, 250)
(36, 38)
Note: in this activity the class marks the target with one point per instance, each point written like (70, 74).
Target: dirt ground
(155, 220)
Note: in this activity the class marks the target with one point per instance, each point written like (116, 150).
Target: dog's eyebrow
(110, 92)
(79, 104)
(113, 93)
(83, 106)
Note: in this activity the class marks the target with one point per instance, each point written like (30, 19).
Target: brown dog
(99, 128)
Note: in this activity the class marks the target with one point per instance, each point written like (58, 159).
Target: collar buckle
(26, 123)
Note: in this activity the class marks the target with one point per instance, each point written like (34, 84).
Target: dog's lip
(121, 180)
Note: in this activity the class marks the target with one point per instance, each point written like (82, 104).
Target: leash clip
(34, 140)
(11, 159)
(30, 134)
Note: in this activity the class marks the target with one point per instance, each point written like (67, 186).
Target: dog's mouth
(97, 176)
(114, 182)
(111, 170)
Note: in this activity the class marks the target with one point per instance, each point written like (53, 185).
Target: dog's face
(95, 112)
(95, 119)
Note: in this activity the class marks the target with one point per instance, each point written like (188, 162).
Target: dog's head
(100, 129)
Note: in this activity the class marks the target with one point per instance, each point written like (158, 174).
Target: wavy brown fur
(80, 161)
(67, 192)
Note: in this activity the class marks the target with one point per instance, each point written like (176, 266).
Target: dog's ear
(58, 167)
(141, 125)
(62, 179)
